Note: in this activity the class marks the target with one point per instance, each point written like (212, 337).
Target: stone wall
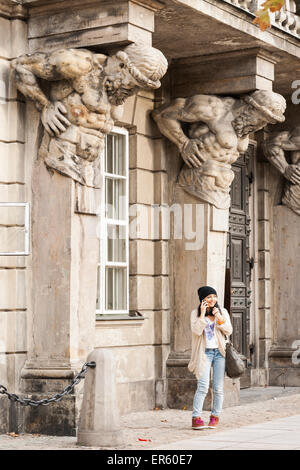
(284, 323)
(264, 282)
(14, 187)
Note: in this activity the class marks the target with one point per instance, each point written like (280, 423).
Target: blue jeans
(214, 358)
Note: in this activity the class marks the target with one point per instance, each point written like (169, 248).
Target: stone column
(62, 304)
(192, 268)
(284, 353)
(64, 278)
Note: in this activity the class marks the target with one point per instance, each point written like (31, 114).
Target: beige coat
(198, 358)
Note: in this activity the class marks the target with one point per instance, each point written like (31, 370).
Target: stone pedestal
(193, 265)
(285, 268)
(99, 424)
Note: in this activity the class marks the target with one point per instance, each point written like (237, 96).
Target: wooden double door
(239, 264)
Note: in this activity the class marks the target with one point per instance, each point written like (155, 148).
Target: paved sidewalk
(267, 418)
(278, 434)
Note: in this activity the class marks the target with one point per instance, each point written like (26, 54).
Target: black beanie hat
(204, 291)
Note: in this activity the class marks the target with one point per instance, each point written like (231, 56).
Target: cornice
(12, 9)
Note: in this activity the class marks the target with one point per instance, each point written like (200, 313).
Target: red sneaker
(213, 422)
(198, 423)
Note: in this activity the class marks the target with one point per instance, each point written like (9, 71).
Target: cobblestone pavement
(260, 412)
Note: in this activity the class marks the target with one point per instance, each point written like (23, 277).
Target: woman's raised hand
(203, 307)
(216, 312)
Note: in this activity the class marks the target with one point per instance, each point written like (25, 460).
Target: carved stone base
(282, 371)
(57, 418)
(60, 422)
(17, 418)
(4, 415)
(161, 387)
(182, 385)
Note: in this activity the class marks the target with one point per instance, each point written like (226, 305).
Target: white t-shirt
(210, 334)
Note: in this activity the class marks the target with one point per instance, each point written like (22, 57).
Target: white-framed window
(113, 268)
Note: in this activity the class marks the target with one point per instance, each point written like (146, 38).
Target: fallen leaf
(262, 15)
(12, 434)
(273, 5)
(262, 19)
(145, 440)
(164, 420)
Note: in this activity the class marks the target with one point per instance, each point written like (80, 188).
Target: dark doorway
(239, 264)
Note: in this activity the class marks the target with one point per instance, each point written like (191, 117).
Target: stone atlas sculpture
(85, 97)
(217, 130)
(282, 149)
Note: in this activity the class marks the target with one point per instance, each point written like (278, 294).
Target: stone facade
(15, 188)
(48, 294)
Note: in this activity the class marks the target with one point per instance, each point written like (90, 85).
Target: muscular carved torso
(89, 109)
(213, 149)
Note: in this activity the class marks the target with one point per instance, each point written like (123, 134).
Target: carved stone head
(137, 66)
(264, 107)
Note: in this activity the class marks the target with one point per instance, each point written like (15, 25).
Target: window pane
(116, 243)
(109, 154)
(115, 288)
(119, 155)
(115, 192)
(115, 161)
(98, 303)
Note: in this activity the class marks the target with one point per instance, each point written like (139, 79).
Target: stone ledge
(73, 24)
(52, 374)
(284, 375)
(116, 321)
(12, 9)
(284, 352)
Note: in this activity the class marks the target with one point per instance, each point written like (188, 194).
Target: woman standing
(210, 325)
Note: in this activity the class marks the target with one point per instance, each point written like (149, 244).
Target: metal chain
(46, 401)
(284, 371)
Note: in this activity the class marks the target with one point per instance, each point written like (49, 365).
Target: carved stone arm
(205, 111)
(58, 65)
(274, 149)
(275, 155)
(168, 120)
(26, 79)
(198, 108)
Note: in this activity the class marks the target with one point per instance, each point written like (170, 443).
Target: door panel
(238, 261)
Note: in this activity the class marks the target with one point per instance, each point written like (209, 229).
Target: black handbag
(235, 366)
